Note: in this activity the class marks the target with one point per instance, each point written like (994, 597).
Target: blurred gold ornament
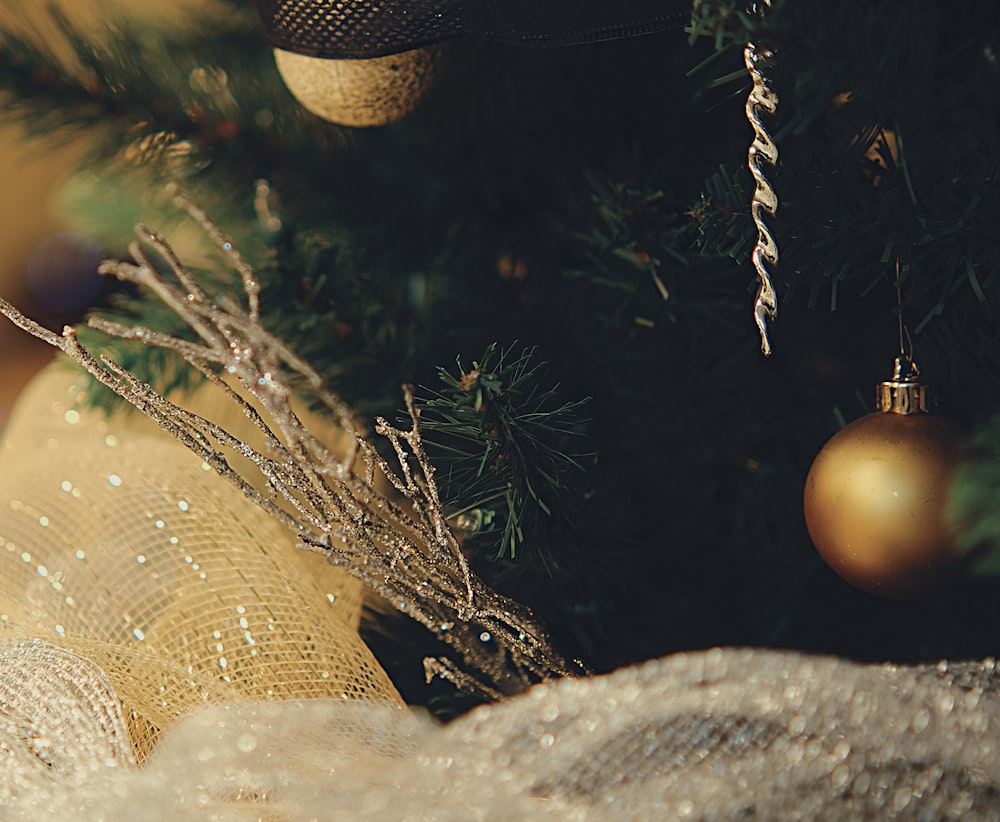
(876, 494)
(361, 93)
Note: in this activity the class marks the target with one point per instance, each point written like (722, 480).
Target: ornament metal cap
(905, 393)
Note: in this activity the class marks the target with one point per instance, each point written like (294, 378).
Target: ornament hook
(905, 349)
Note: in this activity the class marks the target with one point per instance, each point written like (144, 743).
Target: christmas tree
(544, 223)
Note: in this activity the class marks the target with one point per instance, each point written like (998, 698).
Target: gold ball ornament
(876, 496)
(360, 93)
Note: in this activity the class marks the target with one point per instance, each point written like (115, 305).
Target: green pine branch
(633, 255)
(974, 503)
(507, 451)
(629, 236)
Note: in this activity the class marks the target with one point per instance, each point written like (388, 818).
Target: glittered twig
(404, 551)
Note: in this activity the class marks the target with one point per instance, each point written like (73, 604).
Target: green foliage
(203, 105)
(631, 222)
(502, 439)
(733, 23)
(974, 502)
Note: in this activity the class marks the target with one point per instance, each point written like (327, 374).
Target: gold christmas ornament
(361, 93)
(876, 495)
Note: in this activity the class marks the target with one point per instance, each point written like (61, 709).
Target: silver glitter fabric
(721, 734)
(60, 721)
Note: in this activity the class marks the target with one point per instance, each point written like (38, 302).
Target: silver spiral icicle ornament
(762, 153)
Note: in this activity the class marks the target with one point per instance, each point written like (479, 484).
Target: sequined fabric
(362, 28)
(722, 734)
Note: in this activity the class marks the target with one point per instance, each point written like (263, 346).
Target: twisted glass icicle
(763, 152)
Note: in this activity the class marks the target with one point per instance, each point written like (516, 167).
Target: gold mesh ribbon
(118, 543)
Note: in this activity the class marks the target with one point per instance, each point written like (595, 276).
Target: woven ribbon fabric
(348, 29)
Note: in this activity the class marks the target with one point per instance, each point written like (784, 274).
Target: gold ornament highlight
(876, 495)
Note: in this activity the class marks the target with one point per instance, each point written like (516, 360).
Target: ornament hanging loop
(763, 153)
(905, 392)
(905, 340)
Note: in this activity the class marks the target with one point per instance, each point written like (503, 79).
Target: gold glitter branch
(763, 152)
(400, 547)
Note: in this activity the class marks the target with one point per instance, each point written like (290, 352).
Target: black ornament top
(346, 29)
